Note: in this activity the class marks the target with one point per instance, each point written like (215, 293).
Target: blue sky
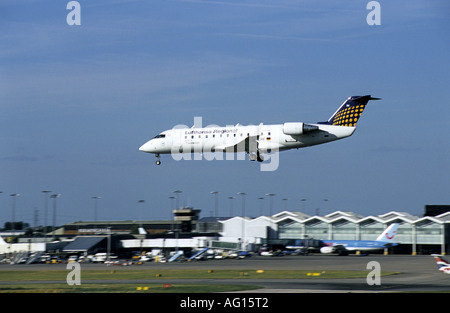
(76, 102)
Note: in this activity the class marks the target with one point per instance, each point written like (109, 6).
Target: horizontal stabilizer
(365, 99)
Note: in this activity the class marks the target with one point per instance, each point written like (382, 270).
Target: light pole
(271, 195)
(54, 196)
(141, 228)
(141, 211)
(96, 198)
(13, 223)
(285, 203)
(304, 205)
(171, 202)
(216, 202)
(325, 200)
(243, 194)
(231, 205)
(45, 192)
(177, 193)
(261, 206)
(171, 211)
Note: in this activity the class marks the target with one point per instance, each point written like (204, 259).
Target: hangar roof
(84, 243)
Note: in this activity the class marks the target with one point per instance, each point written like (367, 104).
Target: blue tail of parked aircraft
(199, 253)
(384, 240)
(349, 112)
(388, 234)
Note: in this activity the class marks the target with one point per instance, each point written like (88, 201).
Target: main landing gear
(158, 161)
(251, 146)
(256, 157)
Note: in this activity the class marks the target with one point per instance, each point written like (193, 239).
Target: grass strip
(132, 274)
(123, 288)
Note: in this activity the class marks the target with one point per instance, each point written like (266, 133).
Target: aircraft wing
(390, 244)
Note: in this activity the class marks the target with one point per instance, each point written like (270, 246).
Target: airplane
(343, 247)
(442, 263)
(256, 140)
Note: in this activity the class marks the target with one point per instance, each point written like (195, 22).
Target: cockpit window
(160, 136)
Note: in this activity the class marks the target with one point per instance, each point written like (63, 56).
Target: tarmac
(415, 273)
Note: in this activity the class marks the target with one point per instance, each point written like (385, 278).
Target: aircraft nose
(147, 147)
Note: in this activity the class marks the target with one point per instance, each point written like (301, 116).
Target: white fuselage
(233, 138)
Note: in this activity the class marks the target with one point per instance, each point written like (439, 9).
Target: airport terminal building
(416, 235)
(427, 234)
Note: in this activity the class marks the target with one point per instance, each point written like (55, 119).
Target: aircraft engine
(326, 250)
(296, 129)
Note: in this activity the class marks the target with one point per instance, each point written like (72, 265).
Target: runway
(415, 273)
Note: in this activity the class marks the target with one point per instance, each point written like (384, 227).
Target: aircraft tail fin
(441, 262)
(389, 233)
(349, 112)
(2, 241)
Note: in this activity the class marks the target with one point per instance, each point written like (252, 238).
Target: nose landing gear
(158, 161)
